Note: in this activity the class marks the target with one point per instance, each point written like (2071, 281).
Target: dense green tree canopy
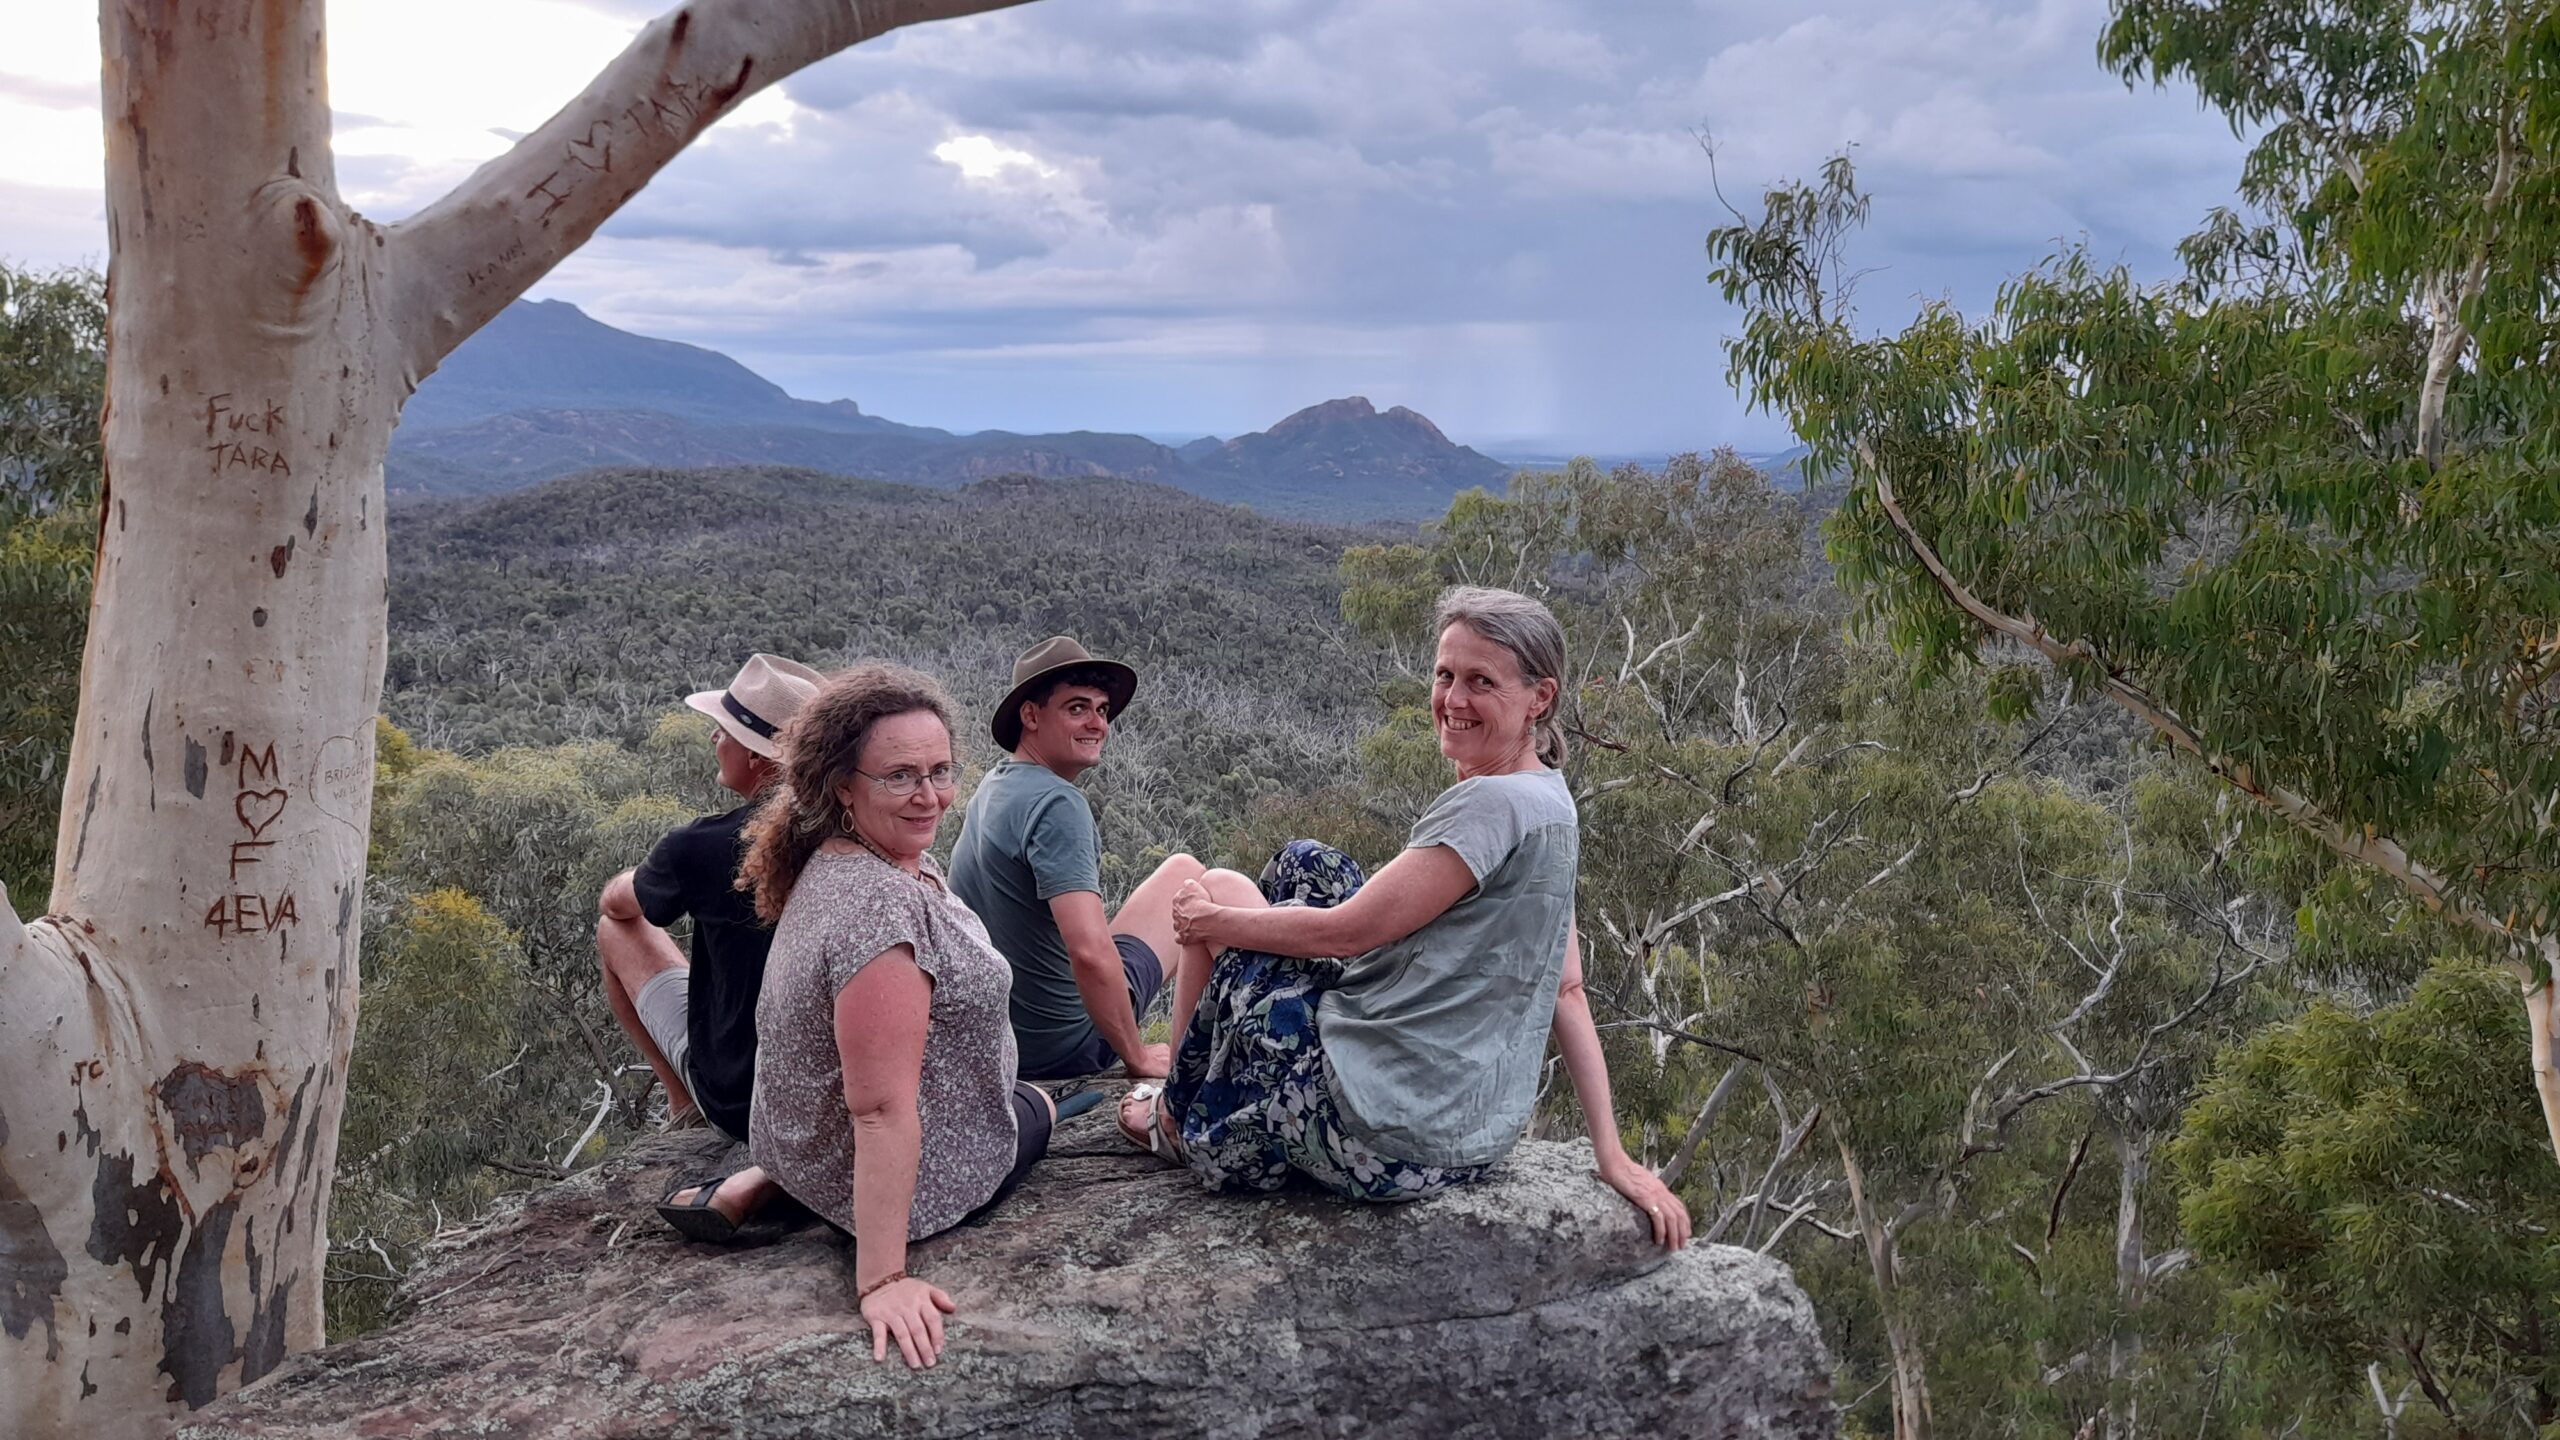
(2373, 1184)
(2295, 510)
(52, 373)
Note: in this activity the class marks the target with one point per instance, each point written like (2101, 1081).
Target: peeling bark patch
(32, 1269)
(262, 1349)
(212, 1110)
(86, 1389)
(310, 1150)
(198, 1341)
(136, 1225)
(151, 773)
(258, 617)
(293, 162)
(87, 810)
(119, 514)
(310, 240)
(346, 909)
(195, 768)
(311, 517)
(720, 98)
(292, 1116)
(280, 557)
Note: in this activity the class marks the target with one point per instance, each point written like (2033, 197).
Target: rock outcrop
(1106, 1298)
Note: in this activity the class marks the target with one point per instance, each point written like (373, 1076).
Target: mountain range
(545, 389)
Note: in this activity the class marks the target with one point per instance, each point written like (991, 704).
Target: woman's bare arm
(1578, 1041)
(1415, 888)
(881, 1017)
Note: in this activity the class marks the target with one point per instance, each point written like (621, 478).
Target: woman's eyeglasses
(903, 782)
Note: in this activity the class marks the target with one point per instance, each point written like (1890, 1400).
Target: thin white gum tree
(174, 1032)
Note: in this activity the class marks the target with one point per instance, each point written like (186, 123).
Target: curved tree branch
(2533, 957)
(460, 261)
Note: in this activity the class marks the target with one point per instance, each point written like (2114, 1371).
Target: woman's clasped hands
(1195, 915)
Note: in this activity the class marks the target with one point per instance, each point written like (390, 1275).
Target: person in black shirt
(696, 1023)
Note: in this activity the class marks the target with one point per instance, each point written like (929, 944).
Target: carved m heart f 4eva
(258, 809)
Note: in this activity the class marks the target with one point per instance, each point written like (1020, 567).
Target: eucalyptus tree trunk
(174, 1033)
(1913, 1418)
(2133, 1285)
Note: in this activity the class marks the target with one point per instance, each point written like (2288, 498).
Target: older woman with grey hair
(1413, 1064)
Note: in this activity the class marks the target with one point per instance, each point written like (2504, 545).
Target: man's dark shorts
(1146, 976)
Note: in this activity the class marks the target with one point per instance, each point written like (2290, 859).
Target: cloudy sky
(1189, 216)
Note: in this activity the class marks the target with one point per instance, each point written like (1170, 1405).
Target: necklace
(882, 856)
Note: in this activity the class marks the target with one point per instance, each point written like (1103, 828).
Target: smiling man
(1030, 863)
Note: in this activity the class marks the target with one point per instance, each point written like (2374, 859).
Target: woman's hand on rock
(1645, 1191)
(1193, 913)
(910, 1311)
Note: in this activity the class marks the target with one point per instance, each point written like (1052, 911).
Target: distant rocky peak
(1349, 410)
(844, 407)
(1415, 420)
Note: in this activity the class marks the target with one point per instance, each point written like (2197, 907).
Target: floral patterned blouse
(845, 912)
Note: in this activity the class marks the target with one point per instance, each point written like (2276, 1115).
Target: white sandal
(1155, 1139)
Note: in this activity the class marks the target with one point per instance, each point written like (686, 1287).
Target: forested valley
(2070, 1087)
(2064, 882)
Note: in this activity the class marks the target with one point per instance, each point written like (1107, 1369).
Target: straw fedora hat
(769, 690)
(1043, 660)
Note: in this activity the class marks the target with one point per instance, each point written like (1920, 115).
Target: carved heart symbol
(258, 809)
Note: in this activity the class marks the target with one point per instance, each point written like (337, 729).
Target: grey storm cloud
(1396, 183)
(1197, 215)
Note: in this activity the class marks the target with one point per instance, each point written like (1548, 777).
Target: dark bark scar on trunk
(197, 1338)
(86, 810)
(720, 98)
(211, 1110)
(135, 1223)
(312, 241)
(32, 1270)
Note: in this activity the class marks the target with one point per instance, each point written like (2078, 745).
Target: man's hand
(1152, 1062)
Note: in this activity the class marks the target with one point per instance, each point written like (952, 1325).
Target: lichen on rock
(1107, 1297)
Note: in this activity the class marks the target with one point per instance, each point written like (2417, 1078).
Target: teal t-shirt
(1436, 1040)
(1027, 838)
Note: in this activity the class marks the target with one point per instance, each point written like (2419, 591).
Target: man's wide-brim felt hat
(1045, 659)
(769, 690)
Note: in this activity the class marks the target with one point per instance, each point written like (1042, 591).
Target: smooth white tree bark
(174, 1032)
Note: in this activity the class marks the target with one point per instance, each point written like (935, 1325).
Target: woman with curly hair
(885, 1097)
(1412, 1064)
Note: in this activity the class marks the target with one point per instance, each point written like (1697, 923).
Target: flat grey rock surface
(1107, 1297)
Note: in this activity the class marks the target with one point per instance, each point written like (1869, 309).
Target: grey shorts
(661, 1004)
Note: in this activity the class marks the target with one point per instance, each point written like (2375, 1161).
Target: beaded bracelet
(892, 1278)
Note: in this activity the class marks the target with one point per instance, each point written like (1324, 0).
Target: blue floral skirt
(1251, 1093)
